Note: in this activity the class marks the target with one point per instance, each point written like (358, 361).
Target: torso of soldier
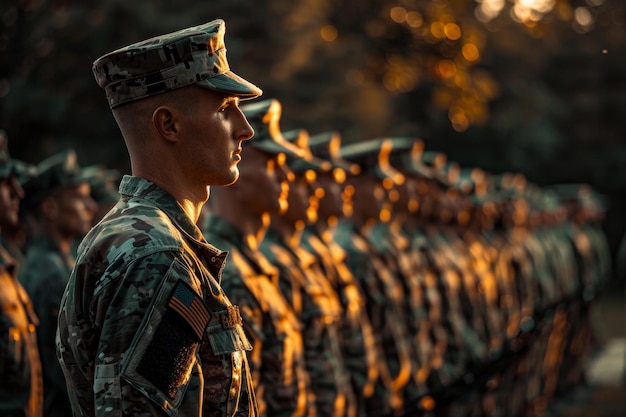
(21, 385)
(145, 328)
(44, 274)
(277, 361)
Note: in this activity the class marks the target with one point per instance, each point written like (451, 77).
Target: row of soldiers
(374, 278)
(45, 209)
(378, 278)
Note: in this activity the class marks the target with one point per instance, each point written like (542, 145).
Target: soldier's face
(330, 204)
(10, 194)
(258, 186)
(214, 128)
(73, 210)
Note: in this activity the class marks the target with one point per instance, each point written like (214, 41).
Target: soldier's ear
(166, 123)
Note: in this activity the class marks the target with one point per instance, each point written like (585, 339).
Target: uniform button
(213, 259)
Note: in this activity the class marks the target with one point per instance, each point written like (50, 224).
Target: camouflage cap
(301, 164)
(372, 156)
(53, 173)
(195, 55)
(406, 156)
(104, 182)
(264, 117)
(327, 145)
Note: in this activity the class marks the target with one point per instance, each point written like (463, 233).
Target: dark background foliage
(544, 95)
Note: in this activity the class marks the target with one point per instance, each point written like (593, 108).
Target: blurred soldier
(58, 202)
(14, 234)
(365, 197)
(360, 343)
(104, 183)
(145, 328)
(237, 222)
(21, 384)
(311, 295)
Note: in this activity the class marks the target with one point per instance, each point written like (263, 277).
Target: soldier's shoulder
(148, 228)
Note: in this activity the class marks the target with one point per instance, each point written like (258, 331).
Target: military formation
(374, 278)
(366, 279)
(378, 278)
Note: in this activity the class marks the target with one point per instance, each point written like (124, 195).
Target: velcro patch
(190, 307)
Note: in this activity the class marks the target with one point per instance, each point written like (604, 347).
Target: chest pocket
(225, 331)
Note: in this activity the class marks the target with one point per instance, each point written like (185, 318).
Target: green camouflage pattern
(277, 365)
(44, 273)
(361, 347)
(385, 301)
(319, 308)
(124, 343)
(194, 55)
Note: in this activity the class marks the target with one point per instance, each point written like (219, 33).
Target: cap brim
(231, 83)
(273, 147)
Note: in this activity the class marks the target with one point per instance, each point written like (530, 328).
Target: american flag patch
(190, 307)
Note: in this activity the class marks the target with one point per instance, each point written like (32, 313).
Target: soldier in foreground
(145, 328)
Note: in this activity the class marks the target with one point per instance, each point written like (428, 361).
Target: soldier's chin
(235, 177)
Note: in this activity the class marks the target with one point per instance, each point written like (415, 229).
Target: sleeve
(152, 322)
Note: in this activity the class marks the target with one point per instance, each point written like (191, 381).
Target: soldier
(14, 234)
(145, 328)
(103, 183)
(364, 204)
(360, 343)
(237, 221)
(21, 384)
(311, 295)
(57, 200)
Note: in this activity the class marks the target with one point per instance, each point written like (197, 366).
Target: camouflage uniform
(318, 306)
(384, 306)
(145, 327)
(360, 344)
(277, 361)
(44, 274)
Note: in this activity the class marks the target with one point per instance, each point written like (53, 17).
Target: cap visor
(231, 83)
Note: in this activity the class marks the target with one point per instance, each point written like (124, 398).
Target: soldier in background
(14, 235)
(104, 183)
(311, 295)
(361, 344)
(21, 383)
(238, 218)
(58, 202)
(364, 199)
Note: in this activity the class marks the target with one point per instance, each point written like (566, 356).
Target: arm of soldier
(146, 362)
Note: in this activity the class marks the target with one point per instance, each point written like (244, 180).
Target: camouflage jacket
(145, 328)
(277, 362)
(384, 305)
(44, 274)
(21, 384)
(361, 346)
(318, 306)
